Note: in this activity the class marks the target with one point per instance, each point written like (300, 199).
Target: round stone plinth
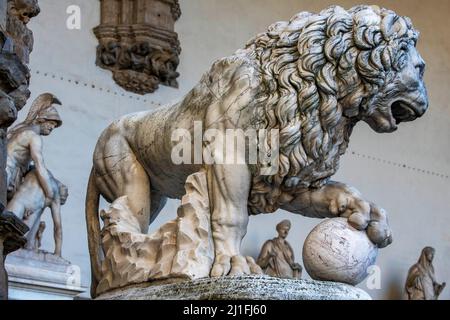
(239, 288)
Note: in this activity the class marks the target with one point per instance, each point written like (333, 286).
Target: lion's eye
(420, 69)
(401, 61)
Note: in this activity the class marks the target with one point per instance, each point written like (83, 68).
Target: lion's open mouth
(403, 112)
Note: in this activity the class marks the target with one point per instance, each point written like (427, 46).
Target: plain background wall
(406, 172)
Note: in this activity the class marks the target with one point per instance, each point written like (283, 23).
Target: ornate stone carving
(16, 44)
(12, 230)
(138, 44)
(421, 283)
(21, 11)
(277, 256)
(312, 79)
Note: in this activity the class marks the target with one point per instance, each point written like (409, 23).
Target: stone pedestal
(12, 231)
(42, 276)
(239, 288)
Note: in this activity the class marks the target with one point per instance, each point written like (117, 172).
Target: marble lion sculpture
(312, 78)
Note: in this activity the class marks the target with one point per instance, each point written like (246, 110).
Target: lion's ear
(376, 9)
(393, 26)
(386, 26)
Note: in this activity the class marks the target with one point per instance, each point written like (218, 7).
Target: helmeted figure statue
(277, 257)
(421, 283)
(25, 144)
(31, 186)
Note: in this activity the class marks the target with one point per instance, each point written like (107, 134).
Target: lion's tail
(93, 230)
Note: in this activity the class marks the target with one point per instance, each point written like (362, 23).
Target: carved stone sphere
(335, 251)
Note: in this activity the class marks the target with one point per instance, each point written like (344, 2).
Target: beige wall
(406, 172)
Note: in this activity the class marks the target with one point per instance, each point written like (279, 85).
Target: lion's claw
(254, 267)
(379, 233)
(234, 266)
(378, 229)
(222, 266)
(239, 266)
(362, 215)
(359, 220)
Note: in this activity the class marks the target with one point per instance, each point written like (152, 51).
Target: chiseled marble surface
(240, 288)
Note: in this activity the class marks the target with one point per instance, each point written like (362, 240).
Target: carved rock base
(237, 288)
(181, 248)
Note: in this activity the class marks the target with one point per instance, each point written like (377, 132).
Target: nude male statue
(25, 144)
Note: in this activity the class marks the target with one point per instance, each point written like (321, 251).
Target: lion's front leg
(228, 188)
(337, 199)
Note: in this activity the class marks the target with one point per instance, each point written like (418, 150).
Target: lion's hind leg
(118, 173)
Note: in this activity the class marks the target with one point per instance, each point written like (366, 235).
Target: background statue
(30, 201)
(277, 257)
(25, 144)
(421, 283)
(31, 186)
(311, 78)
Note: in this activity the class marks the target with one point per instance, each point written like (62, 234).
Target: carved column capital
(138, 44)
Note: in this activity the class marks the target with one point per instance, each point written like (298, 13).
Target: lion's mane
(321, 71)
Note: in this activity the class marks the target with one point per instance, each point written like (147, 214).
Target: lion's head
(327, 71)
(390, 68)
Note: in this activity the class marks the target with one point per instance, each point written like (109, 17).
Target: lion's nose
(422, 107)
(422, 102)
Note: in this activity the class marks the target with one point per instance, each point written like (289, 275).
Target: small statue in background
(277, 257)
(421, 283)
